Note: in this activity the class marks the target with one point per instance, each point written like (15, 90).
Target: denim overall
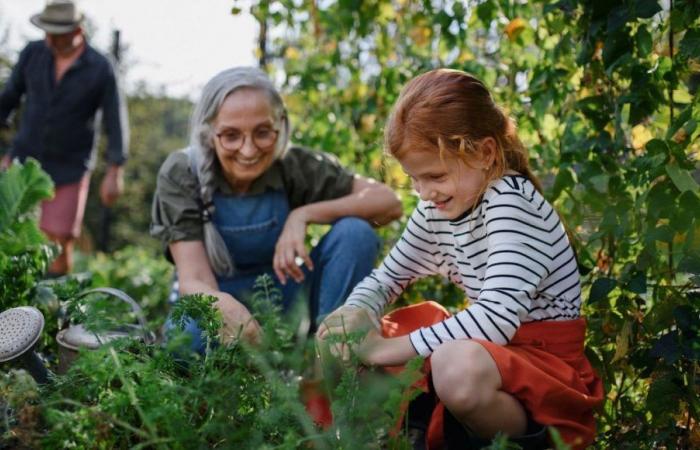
(250, 226)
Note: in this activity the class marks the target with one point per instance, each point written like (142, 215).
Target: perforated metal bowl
(20, 328)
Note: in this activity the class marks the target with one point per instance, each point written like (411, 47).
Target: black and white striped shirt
(510, 254)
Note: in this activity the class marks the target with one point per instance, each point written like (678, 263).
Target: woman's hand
(238, 322)
(195, 276)
(291, 245)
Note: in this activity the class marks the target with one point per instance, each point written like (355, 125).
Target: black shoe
(458, 437)
(417, 419)
(535, 438)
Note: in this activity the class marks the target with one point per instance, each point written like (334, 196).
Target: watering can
(75, 337)
(21, 327)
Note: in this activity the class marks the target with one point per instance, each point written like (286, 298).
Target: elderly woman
(237, 202)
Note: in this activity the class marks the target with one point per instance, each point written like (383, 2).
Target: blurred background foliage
(605, 96)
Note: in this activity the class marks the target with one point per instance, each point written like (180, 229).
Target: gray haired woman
(237, 202)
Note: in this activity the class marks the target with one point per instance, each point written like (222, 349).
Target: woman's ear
(487, 149)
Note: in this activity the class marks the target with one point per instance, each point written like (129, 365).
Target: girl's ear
(487, 153)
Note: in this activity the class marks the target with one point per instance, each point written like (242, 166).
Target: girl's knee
(463, 374)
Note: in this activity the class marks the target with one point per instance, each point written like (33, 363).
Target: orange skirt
(543, 366)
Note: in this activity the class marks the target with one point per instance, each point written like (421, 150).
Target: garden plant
(605, 94)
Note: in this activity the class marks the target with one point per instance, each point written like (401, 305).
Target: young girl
(513, 360)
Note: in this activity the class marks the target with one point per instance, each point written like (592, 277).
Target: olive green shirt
(305, 176)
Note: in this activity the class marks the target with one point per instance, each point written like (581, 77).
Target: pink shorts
(62, 216)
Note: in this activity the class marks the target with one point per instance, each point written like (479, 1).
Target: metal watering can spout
(20, 329)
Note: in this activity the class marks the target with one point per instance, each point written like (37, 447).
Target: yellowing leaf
(330, 46)
(598, 53)
(368, 122)
(386, 11)
(622, 342)
(292, 53)
(514, 28)
(420, 35)
(640, 136)
(464, 56)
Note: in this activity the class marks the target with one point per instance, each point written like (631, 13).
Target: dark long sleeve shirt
(59, 124)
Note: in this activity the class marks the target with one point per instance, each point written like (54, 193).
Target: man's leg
(63, 263)
(61, 220)
(345, 255)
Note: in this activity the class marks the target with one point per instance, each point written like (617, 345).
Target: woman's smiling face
(449, 183)
(244, 113)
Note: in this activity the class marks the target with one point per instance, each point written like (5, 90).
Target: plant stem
(137, 431)
(132, 395)
(670, 48)
(304, 420)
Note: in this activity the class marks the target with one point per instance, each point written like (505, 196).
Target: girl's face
(245, 116)
(448, 183)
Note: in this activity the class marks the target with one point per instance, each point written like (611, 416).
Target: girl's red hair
(450, 110)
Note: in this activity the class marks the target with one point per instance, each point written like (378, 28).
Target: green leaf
(690, 44)
(690, 264)
(564, 179)
(644, 41)
(22, 187)
(662, 233)
(646, 8)
(681, 178)
(657, 146)
(486, 11)
(663, 397)
(601, 288)
(638, 283)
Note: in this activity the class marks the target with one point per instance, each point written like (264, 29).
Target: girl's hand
(238, 322)
(376, 350)
(341, 322)
(291, 246)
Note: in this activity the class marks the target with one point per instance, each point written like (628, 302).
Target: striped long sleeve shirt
(510, 254)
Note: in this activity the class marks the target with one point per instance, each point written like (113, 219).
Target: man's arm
(116, 126)
(14, 89)
(114, 116)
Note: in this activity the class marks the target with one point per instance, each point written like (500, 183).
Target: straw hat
(58, 17)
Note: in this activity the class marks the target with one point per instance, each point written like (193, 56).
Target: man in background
(66, 84)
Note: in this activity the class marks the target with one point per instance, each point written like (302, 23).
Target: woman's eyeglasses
(233, 140)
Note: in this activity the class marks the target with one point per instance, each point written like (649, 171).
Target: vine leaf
(622, 342)
(601, 288)
(690, 45)
(681, 178)
(663, 397)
